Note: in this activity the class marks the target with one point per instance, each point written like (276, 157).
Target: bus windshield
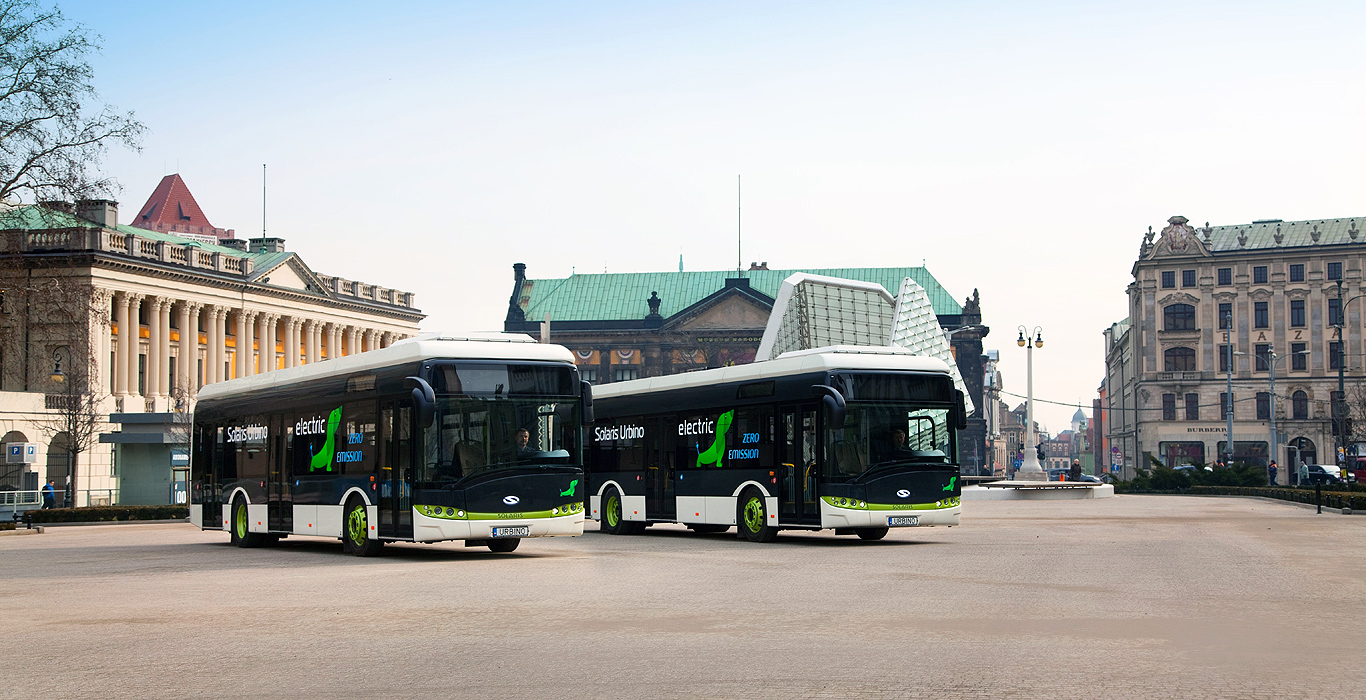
(878, 433)
(477, 435)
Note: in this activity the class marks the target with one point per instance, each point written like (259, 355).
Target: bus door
(659, 469)
(395, 469)
(280, 482)
(800, 471)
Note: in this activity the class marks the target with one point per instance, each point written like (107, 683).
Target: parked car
(1324, 474)
(1192, 467)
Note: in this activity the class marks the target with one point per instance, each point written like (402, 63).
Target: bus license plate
(904, 521)
(519, 531)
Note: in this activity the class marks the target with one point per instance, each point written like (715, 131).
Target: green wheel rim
(613, 510)
(754, 514)
(355, 525)
(241, 520)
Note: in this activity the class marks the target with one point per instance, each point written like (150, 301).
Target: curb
(15, 533)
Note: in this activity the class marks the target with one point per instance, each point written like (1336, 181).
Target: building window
(1260, 316)
(1225, 406)
(1334, 354)
(1335, 312)
(1179, 360)
(1224, 357)
(1169, 279)
(1297, 272)
(1263, 355)
(1178, 317)
(1299, 406)
(625, 374)
(589, 374)
(1296, 313)
(1169, 407)
(1335, 271)
(1225, 276)
(1225, 316)
(1259, 274)
(1263, 405)
(1192, 407)
(1298, 359)
(1188, 278)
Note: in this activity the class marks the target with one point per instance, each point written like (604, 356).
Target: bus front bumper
(427, 528)
(945, 512)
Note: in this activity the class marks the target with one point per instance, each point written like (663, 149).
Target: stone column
(213, 349)
(262, 353)
(134, 342)
(151, 383)
(352, 347)
(272, 330)
(288, 328)
(189, 346)
(120, 368)
(164, 349)
(310, 328)
(386, 339)
(243, 357)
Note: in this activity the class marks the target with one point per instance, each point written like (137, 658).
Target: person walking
(49, 495)
(1075, 474)
(1271, 472)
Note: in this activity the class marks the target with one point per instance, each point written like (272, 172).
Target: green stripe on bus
(851, 504)
(457, 514)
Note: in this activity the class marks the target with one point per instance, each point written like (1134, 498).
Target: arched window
(1178, 317)
(1179, 360)
(1299, 406)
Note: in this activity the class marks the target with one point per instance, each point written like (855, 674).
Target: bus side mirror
(833, 402)
(962, 419)
(586, 391)
(424, 400)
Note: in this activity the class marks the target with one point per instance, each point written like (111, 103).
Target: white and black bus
(858, 439)
(475, 438)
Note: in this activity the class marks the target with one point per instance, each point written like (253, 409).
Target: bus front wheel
(870, 533)
(241, 527)
(504, 545)
(751, 518)
(356, 531)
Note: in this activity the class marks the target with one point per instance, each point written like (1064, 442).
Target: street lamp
(1340, 401)
(57, 375)
(1228, 404)
(1271, 377)
(1030, 470)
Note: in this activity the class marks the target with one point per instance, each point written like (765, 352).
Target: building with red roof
(172, 209)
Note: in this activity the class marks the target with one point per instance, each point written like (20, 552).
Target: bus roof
(427, 346)
(796, 362)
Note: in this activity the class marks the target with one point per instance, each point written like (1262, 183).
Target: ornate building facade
(1257, 304)
(135, 321)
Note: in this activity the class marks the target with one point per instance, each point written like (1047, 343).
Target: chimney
(266, 245)
(104, 212)
(234, 243)
(758, 266)
(58, 205)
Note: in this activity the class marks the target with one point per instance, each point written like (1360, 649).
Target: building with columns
(143, 318)
(1254, 304)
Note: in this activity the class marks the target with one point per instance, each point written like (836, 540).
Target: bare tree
(67, 315)
(53, 129)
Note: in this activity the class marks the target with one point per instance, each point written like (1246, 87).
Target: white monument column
(120, 368)
(188, 355)
(151, 387)
(243, 349)
(1030, 470)
(134, 341)
(164, 382)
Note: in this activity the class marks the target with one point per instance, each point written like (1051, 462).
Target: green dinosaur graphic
(950, 486)
(717, 450)
(323, 458)
(572, 486)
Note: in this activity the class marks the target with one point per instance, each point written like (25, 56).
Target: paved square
(1128, 597)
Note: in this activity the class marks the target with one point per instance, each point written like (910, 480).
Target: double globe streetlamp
(1030, 470)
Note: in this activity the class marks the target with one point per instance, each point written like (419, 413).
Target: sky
(1018, 149)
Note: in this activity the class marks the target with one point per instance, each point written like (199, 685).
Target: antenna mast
(263, 200)
(739, 267)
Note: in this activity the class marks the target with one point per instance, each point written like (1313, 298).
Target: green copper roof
(621, 296)
(36, 218)
(1293, 234)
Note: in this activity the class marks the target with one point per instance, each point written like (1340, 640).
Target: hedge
(98, 514)
(1331, 499)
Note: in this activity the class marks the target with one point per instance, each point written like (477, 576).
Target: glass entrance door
(395, 467)
(279, 484)
(659, 469)
(797, 500)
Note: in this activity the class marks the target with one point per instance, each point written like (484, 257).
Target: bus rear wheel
(870, 533)
(504, 545)
(356, 531)
(613, 520)
(751, 518)
(241, 527)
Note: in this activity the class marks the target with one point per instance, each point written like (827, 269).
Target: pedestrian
(1271, 472)
(1076, 471)
(49, 495)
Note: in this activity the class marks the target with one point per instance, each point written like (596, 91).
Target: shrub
(1331, 499)
(98, 514)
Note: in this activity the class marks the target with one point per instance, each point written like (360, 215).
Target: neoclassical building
(1267, 292)
(144, 317)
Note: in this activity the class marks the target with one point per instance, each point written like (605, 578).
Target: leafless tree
(67, 315)
(53, 128)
